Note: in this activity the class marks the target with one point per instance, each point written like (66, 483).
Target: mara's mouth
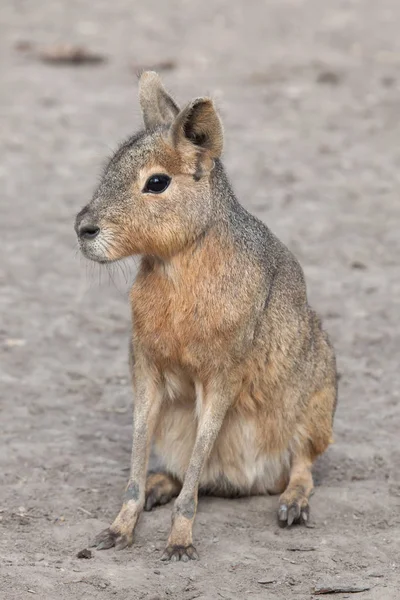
(94, 247)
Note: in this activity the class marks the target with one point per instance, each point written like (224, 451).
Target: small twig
(339, 589)
(87, 512)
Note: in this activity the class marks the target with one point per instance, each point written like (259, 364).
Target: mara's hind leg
(160, 489)
(313, 438)
(293, 504)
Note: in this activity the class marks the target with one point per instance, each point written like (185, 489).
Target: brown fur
(234, 378)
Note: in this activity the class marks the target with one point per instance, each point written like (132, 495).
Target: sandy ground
(310, 93)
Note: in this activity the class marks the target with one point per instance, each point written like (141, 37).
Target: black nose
(88, 232)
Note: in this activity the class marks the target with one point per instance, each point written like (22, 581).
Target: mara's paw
(293, 512)
(112, 539)
(120, 534)
(176, 552)
(160, 489)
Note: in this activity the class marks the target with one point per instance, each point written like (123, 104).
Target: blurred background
(309, 92)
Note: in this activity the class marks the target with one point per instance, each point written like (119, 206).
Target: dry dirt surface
(310, 94)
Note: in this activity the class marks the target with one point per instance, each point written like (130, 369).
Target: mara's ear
(198, 125)
(157, 106)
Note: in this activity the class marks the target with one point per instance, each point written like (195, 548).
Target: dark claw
(152, 501)
(305, 515)
(293, 514)
(122, 542)
(283, 512)
(105, 545)
(282, 515)
(192, 553)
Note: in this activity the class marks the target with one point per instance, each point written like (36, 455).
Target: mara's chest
(172, 322)
(190, 315)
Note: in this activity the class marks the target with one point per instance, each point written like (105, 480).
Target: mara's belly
(239, 462)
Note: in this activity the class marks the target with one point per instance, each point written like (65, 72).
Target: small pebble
(357, 264)
(85, 553)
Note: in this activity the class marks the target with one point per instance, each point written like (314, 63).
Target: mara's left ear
(157, 106)
(198, 127)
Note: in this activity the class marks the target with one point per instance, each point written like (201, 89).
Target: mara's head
(155, 194)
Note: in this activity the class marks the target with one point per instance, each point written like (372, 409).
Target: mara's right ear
(157, 106)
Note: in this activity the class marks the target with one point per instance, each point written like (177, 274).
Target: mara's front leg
(214, 400)
(148, 396)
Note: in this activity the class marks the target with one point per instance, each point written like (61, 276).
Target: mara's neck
(211, 253)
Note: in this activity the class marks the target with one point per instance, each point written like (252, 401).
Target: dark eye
(157, 184)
